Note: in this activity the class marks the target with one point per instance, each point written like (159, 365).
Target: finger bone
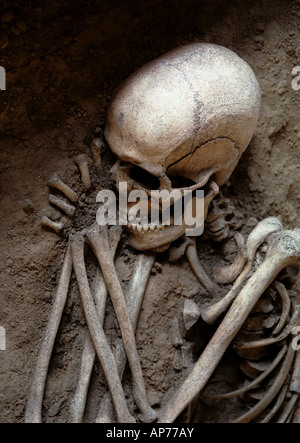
(56, 183)
(82, 162)
(284, 251)
(55, 226)
(61, 204)
(96, 148)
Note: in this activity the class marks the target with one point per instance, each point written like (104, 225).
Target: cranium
(182, 120)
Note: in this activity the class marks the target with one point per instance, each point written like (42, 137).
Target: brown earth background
(64, 59)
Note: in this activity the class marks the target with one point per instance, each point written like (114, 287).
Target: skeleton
(181, 122)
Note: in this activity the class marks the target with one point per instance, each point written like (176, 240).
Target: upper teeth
(145, 228)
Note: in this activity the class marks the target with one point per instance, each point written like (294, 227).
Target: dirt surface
(64, 59)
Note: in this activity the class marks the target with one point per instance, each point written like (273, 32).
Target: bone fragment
(258, 236)
(61, 204)
(101, 249)
(82, 162)
(101, 345)
(284, 250)
(96, 148)
(55, 226)
(33, 412)
(134, 297)
(229, 274)
(198, 270)
(191, 314)
(88, 357)
(56, 183)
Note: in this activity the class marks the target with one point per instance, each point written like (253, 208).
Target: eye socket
(144, 178)
(180, 182)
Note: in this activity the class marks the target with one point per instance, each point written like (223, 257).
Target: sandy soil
(64, 59)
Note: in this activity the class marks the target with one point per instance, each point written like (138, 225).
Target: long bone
(283, 251)
(256, 238)
(99, 290)
(191, 254)
(33, 412)
(100, 342)
(97, 237)
(134, 298)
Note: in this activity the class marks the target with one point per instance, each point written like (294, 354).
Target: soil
(64, 59)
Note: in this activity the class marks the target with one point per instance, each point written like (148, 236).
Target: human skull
(183, 119)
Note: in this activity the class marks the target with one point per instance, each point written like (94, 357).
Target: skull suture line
(182, 121)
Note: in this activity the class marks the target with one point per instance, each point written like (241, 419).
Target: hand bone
(83, 162)
(55, 182)
(56, 226)
(61, 204)
(283, 251)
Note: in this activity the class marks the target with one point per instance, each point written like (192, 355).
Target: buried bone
(83, 161)
(257, 237)
(56, 183)
(134, 298)
(61, 204)
(284, 250)
(98, 239)
(101, 345)
(99, 291)
(55, 226)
